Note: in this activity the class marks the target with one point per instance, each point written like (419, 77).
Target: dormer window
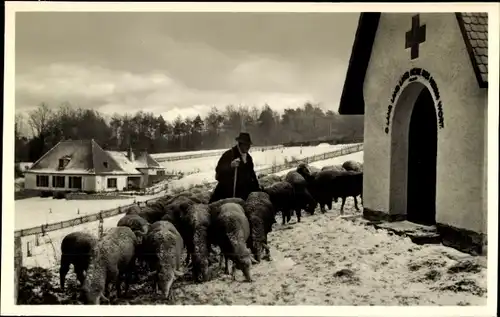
(63, 162)
(105, 164)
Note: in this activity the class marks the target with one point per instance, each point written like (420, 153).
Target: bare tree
(39, 118)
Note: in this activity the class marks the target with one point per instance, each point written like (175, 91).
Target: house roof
(144, 160)
(85, 157)
(474, 28)
(130, 167)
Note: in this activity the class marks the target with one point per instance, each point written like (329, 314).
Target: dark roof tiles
(474, 28)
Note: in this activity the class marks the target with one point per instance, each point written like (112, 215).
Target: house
(421, 81)
(82, 165)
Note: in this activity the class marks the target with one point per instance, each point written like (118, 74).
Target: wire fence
(28, 241)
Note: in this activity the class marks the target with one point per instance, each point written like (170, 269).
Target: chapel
(421, 82)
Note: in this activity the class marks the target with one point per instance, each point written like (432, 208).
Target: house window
(112, 183)
(42, 181)
(160, 172)
(75, 182)
(61, 164)
(58, 181)
(105, 164)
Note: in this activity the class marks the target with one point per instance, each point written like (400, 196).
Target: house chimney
(130, 154)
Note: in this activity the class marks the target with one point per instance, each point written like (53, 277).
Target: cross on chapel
(415, 36)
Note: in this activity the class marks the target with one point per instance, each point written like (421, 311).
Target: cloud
(111, 91)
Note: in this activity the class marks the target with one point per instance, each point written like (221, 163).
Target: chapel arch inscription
(414, 127)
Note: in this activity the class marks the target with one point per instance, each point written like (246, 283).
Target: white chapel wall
(460, 144)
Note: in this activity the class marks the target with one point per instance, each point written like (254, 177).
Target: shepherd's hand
(235, 163)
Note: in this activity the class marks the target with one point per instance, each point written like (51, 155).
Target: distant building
(421, 81)
(82, 165)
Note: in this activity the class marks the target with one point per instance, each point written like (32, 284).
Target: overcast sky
(181, 63)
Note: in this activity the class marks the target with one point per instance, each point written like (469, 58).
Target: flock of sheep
(154, 236)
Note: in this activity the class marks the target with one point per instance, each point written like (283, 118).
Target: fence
(208, 154)
(42, 230)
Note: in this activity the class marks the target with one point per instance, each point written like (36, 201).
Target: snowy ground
(35, 211)
(328, 260)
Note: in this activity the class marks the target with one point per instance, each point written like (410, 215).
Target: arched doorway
(414, 156)
(422, 154)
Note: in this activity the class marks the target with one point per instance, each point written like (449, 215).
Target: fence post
(101, 226)
(18, 264)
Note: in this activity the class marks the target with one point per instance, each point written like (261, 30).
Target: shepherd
(235, 171)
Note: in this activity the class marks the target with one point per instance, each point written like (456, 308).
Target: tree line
(146, 131)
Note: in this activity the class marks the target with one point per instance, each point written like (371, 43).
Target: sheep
(135, 222)
(303, 198)
(332, 184)
(112, 260)
(76, 249)
(261, 217)
(232, 231)
(353, 166)
(164, 246)
(323, 188)
(282, 196)
(349, 184)
(214, 207)
(268, 180)
(197, 223)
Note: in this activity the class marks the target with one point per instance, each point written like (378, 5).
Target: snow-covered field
(261, 159)
(329, 260)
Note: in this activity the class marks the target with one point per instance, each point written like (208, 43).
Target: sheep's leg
(226, 267)
(63, 271)
(356, 203)
(342, 206)
(79, 273)
(299, 214)
(283, 215)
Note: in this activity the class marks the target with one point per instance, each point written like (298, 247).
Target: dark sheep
(303, 198)
(261, 216)
(133, 209)
(164, 246)
(76, 249)
(349, 184)
(135, 222)
(232, 233)
(176, 209)
(330, 185)
(282, 196)
(112, 261)
(324, 188)
(197, 224)
(353, 166)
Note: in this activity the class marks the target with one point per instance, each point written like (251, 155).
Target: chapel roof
(474, 29)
